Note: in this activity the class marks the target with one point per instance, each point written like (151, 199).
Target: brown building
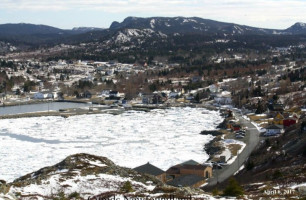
(190, 167)
(152, 170)
(187, 181)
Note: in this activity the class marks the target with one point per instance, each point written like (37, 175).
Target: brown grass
(234, 148)
(257, 118)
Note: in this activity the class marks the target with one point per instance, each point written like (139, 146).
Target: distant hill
(170, 25)
(166, 25)
(86, 29)
(297, 28)
(32, 29)
(31, 34)
(135, 29)
(28, 29)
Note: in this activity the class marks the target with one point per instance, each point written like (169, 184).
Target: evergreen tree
(233, 189)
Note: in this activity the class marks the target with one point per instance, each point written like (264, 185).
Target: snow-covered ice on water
(161, 137)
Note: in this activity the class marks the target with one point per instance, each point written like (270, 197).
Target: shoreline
(93, 109)
(33, 102)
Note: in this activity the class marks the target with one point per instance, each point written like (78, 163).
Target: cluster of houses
(278, 121)
(67, 73)
(281, 120)
(42, 95)
(186, 174)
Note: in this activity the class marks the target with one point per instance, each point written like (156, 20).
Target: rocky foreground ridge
(84, 176)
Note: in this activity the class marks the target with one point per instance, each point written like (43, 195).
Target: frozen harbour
(161, 137)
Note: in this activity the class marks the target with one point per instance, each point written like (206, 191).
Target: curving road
(251, 139)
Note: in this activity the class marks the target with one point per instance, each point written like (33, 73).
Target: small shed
(152, 170)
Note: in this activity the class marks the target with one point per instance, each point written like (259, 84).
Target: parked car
(217, 166)
(222, 163)
(262, 130)
(240, 133)
(238, 136)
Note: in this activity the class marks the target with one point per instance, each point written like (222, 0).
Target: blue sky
(67, 14)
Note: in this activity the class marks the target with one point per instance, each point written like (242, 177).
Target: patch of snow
(269, 148)
(167, 24)
(298, 185)
(239, 30)
(122, 38)
(301, 24)
(228, 80)
(229, 158)
(257, 126)
(162, 34)
(261, 115)
(189, 20)
(263, 186)
(89, 185)
(241, 168)
(232, 141)
(256, 183)
(227, 153)
(245, 117)
(97, 163)
(128, 34)
(276, 33)
(152, 23)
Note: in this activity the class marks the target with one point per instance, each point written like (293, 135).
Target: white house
(55, 95)
(113, 94)
(174, 94)
(223, 98)
(105, 93)
(39, 95)
(48, 96)
(273, 130)
(214, 88)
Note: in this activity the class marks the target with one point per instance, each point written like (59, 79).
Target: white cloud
(263, 13)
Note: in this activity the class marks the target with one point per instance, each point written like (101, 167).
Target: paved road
(251, 140)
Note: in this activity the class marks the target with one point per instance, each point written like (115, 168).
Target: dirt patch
(234, 148)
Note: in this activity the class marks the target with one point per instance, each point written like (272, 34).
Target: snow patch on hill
(152, 23)
(128, 35)
(187, 20)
